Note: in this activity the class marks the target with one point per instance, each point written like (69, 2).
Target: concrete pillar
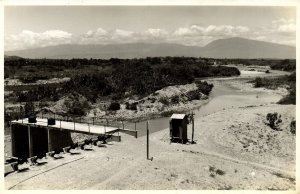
(58, 139)
(49, 140)
(30, 142)
(12, 136)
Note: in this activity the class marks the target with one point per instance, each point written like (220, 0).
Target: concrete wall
(29, 140)
(19, 141)
(59, 139)
(39, 141)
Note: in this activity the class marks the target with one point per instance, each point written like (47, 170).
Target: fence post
(135, 126)
(93, 120)
(122, 125)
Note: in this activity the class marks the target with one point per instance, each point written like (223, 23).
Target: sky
(39, 26)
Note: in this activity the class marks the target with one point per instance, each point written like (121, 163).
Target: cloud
(98, 32)
(101, 36)
(211, 30)
(287, 28)
(155, 33)
(28, 39)
(279, 31)
(283, 26)
(260, 38)
(122, 33)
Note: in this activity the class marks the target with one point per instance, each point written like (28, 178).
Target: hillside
(222, 48)
(245, 48)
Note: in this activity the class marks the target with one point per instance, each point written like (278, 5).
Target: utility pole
(148, 158)
(147, 140)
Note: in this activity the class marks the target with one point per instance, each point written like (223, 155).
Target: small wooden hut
(178, 128)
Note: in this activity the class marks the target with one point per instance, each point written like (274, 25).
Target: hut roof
(178, 116)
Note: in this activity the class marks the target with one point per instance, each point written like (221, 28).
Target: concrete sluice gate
(31, 140)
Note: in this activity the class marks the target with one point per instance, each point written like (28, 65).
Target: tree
(29, 109)
(114, 106)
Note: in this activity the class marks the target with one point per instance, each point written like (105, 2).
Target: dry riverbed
(235, 149)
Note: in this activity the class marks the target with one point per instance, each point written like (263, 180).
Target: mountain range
(222, 48)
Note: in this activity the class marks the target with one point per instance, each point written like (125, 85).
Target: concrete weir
(34, 139)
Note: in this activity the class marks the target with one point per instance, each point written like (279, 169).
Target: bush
(204, 87)
(117, 96)
(258, 82)
(285, 65)
(29, 109)
(167, 113)
(220, 172)
(77, 107)
(274, 120)
(267, 71)
(164, 100)
(132, 106)
(289, 99)
(114, 106)
(175, 99)
(293, 127)
(193, 95)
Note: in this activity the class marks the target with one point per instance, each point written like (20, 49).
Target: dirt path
(258, 165)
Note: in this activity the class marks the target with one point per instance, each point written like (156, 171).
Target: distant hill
(246, 48)
(222, 48)
(6, 57)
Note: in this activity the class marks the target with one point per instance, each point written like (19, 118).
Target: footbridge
(37, 136)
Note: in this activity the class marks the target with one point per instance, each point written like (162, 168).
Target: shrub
(117, 96)
(293, 127)
(220, 172)
(258, 82)
(29, 109)
(114, 106)
(289, 99)
(292, 77)
(193, 95)
(267, 71)
(131, 106)
(285, 65)
(164, 100)
(77, 107)
(152, 100)
(274, 120)
(167, 113)
(175, 99)
(204, 87)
